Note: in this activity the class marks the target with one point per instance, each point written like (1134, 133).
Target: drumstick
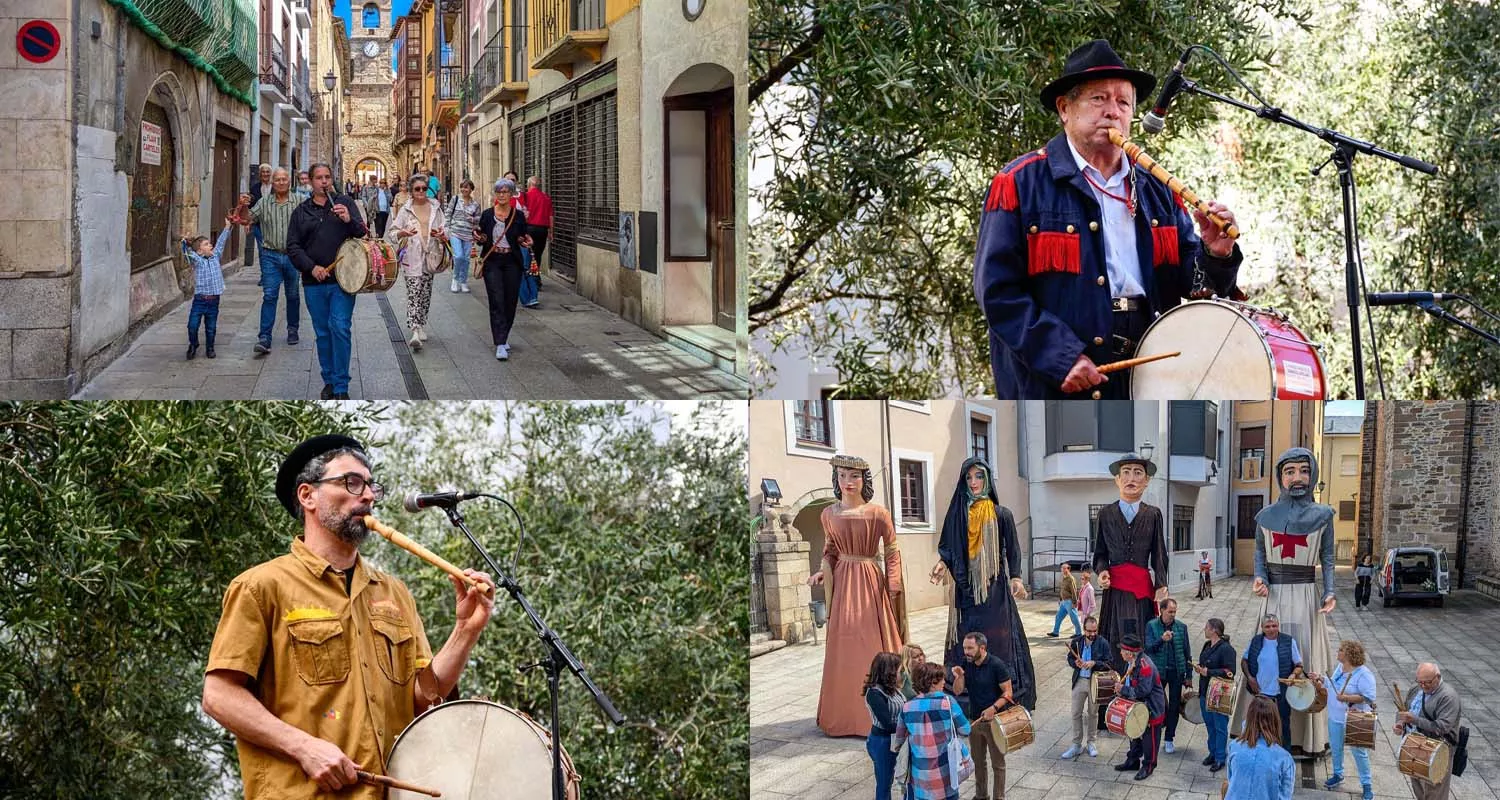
(400, 540)
(1139, 156)
(1116, 366)
(381, 780)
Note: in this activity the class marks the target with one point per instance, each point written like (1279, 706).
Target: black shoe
(1052, 636)
(1208, 760)
(1217, 765)
(210, 352)
(1143, 774)
(1127, 766)
(192, 351)
(291, 338)
(341, 396)
(327, 392)
(263, 347)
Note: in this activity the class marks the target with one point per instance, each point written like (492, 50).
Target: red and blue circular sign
(38, 41)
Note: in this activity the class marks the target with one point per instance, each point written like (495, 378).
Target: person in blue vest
(1079, 250)
(1269, 658)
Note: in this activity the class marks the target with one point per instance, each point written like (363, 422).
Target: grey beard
(1297, 491)
(348, 527)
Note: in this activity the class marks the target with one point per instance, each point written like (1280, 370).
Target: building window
(913, 491)
(1252, 453)
(598, 170)
(1349, 464)
(1108, 425)
(1195, 426)
(979, 438)
(1094, 509)
(1346, 510)
(812, 421)
(370, 16)
(1182, 527)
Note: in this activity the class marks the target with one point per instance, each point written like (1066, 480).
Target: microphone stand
(1449, 317)
(558, 654)
(1345, 148)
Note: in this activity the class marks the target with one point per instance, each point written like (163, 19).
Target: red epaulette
(1002, 194)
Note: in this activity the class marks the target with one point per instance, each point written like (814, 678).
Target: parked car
(1413, 573)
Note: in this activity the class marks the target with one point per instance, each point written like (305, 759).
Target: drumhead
(474, 750)
(1223, 356)
(1301, 695)
(1191, 711)
(352, 266)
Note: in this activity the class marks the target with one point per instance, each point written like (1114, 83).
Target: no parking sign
(38, 41)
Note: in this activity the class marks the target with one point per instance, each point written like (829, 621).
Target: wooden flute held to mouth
(1136, 154)
(402, 541)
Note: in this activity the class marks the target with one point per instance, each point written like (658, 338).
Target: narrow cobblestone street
(569, 348)
(790, 757)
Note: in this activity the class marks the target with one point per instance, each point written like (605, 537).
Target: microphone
(1405, 298)
(415, 501)
(1156, 119)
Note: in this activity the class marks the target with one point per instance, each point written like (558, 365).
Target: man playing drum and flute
(1079, 250)
(320, 660)
(319, 227)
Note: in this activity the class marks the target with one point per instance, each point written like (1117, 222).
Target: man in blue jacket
(1079, 250)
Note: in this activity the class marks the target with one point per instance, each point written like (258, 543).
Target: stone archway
(164, 197)
(381, 162)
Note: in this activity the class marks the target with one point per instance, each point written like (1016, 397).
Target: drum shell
(1013, 729)
(1360, 728)
(1307, 696)
(477, 750)
(1126, 717)
(1221, 696)
(1229, 351)
(1104, 684)
(1424, 757)
(1190, 710)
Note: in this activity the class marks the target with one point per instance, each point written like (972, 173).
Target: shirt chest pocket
(321, 650)
(395, 649)
(1053, 245)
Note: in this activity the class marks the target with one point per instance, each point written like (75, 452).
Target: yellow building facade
(1263, 429)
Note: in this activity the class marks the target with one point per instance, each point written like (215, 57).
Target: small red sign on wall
(38, 41)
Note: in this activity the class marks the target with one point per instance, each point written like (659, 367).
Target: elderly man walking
(272, 213)
(1432, 708)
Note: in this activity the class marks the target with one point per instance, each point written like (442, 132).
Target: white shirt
(1120, 257)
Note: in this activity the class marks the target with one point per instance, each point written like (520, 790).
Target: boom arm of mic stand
(1443, 314)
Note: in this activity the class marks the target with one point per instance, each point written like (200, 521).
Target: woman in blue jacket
(1259, 767)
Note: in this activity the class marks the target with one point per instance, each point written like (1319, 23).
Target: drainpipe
(1461, 557)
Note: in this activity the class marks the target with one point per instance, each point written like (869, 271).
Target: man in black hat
(1141, 682)
(1130, 554)
(320, 660)
(1079, 250)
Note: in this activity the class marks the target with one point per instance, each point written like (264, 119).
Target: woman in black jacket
(505, 225)
(1217, 660)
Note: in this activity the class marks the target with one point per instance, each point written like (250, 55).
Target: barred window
(598, 169)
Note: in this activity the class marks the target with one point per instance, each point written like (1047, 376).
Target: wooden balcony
(564, 32)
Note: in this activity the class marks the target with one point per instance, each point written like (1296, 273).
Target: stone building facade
(1429, 475)
(367, 145)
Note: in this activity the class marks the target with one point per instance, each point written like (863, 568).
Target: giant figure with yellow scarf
(979, 550)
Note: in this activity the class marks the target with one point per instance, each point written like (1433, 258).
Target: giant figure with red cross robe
(1293, 536)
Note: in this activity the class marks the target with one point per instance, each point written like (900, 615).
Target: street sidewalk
(568, 349)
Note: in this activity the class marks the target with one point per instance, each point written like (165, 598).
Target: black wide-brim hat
(286, 477)
(1094, 61)
(1132, 458)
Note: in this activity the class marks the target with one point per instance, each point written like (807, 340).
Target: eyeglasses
(355, 484)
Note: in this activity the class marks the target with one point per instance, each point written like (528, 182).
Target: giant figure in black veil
(979, 550)
(1130, 556)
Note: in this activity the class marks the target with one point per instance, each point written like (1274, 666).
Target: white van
(1413, 573)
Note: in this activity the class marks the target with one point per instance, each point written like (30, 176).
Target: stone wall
(784, 573)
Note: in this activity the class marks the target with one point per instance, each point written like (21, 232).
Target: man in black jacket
(1086, 653)
(258, 189)
(319, 228)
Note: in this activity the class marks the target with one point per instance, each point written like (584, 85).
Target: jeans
(531, 285)
(206, 308)
(332, 312)
(1065, 608)
(461, 249)
(276, 271)
(878, 745)
(1361, 755)
(259, 244)
(1218, 731)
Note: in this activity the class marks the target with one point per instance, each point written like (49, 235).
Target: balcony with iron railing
(488, 79)
(273, 65)
(564, 32)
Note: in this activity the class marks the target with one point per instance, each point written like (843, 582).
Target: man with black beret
(320, 660)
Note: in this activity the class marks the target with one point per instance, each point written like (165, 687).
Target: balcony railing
(450, 79)
(565, 30)
(273, 63)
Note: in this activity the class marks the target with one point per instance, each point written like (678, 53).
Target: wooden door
(1245, 532)
(225, 183)
(721, 211)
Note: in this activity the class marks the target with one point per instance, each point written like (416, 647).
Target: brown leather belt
(1128, 304)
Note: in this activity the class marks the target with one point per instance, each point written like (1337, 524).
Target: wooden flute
(1136, 154)
(402, 541)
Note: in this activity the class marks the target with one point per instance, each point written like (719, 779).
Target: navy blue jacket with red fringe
(1040, 276)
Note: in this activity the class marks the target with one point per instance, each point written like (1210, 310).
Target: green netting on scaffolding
(215, 36)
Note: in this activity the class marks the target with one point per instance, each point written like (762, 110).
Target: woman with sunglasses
(500, 236)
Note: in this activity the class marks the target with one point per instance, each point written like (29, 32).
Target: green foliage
(121, 525)
(633, 553)
(882, 142)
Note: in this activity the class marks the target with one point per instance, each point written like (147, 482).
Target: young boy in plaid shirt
(208, 285)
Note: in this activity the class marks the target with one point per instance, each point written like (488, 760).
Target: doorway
(225, 180)
(1245, 531)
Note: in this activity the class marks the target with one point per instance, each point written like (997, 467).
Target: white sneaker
(453, 287)
(1167, 747)
(1071, 753)
(422, 333)
(464, 287)
(1093, 751)
(502, 352)
(415, 342)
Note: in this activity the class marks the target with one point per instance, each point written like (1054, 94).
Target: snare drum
(437, 255)
(1230, 351)
(365, 265)
(1127, 717)
(1220, 698)
(1424, 757)
(1103, 684)
(1360, 729)
(1013, 729)
(477, 750)
(1190, 710)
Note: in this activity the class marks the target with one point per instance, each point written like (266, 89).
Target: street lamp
(1147, 449)
(329, 80)
(348, 127)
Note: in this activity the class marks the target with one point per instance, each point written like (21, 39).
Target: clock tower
(367, 148)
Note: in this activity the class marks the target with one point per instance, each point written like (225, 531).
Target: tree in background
(124, 522)
(882, 124)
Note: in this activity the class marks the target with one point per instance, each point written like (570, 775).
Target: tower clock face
(371, 49)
